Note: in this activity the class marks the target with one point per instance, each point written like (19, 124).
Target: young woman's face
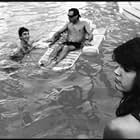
(124, 79)
(25, 36)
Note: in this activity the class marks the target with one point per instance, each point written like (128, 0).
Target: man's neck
(76, 21)
(23, 42)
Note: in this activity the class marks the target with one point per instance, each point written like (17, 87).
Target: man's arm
(89, 31)
(33, 43)
(56, 35)
(53, 39)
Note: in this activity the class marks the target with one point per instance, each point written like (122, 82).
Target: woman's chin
(121, 89)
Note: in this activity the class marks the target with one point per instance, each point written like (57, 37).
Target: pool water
(76, 103)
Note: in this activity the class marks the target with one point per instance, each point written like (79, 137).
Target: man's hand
(49, 40)
(87, 43)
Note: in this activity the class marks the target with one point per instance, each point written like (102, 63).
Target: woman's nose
(117, 71)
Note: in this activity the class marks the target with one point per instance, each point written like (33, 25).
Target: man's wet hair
(75, 11)
(128, 54)
(21, 30)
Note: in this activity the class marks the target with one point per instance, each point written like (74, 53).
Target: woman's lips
(117, 81)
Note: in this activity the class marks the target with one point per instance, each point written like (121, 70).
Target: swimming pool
(70, 104)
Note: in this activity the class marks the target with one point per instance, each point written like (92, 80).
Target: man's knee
(72, 47)
(66, 48)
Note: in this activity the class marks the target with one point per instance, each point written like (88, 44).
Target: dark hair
(75, 11)
(21, 30)
(128, 56)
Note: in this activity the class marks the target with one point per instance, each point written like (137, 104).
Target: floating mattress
(73, 56)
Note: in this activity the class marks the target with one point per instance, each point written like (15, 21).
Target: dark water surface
(71, 104)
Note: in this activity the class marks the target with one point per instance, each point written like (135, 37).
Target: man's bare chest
(76, 28)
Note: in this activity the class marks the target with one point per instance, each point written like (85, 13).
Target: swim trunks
(76, 44)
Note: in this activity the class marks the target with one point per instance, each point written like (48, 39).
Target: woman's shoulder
(126, 126)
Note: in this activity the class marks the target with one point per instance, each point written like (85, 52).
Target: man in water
(24, 47)
(77, 32)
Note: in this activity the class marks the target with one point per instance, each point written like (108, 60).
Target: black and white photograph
(70, 69)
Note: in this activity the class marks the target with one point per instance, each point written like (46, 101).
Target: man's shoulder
(14, 44)
(85, 20)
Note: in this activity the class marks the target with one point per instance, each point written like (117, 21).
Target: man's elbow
(56, 36)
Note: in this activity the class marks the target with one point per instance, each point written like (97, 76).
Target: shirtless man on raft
(79, 33)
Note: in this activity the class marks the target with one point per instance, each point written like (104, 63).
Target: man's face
(72, 17)
(25, 36)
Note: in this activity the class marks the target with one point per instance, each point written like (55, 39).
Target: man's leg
(56, 50)
(64, 52)
(54, 54)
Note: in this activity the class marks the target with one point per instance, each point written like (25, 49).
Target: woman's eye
(127, 69)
